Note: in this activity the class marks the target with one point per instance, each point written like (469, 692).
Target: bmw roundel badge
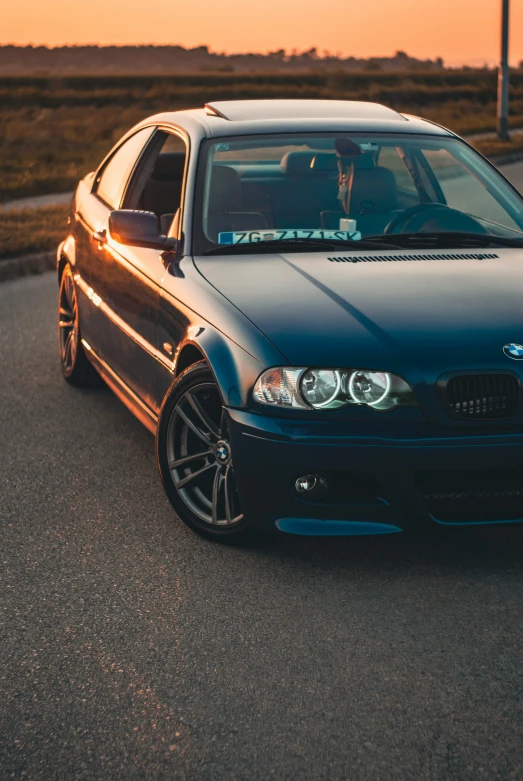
(514, 351)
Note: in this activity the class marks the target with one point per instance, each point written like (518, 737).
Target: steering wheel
(418, 219)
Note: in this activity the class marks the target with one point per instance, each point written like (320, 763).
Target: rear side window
(110, 184)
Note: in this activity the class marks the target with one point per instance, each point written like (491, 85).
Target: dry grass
(48, 150)
(53, 131)
(32, 230)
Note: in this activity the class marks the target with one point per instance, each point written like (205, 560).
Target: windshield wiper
(448, 240)
(297, 244)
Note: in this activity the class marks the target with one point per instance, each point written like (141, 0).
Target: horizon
(292, 26)
(478, 62)
(214, 52)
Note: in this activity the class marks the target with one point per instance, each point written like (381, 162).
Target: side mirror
(139, 229)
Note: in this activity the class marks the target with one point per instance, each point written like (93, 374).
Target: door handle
(101, 237)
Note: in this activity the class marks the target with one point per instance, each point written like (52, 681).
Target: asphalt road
(132, 649)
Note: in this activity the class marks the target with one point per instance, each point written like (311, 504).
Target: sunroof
(244, 110)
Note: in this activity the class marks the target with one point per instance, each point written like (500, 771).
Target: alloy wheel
(68, 323)
(199, 457)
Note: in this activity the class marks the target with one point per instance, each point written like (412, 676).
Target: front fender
(182, 329)
(234, 368)
(66, 250)
(194, 315)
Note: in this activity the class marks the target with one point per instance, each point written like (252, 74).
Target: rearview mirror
(139, 229)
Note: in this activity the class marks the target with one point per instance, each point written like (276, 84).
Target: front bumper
(381, 485)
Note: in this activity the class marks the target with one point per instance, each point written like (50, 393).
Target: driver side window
(157, 185)
(463, 191)
(390, 158)
(408, 194)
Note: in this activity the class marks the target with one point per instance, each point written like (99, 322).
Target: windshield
(345, 187)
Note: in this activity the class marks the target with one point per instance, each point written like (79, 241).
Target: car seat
(373, 196)
(162, 191)
(308, 189)
(226, 205)
(373, 199)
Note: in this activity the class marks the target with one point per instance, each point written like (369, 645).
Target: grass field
(54, 130)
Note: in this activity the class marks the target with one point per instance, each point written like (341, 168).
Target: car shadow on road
(492, 549)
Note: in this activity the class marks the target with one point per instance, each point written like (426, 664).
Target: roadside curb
(27, 265)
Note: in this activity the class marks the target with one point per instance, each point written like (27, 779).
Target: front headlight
(332, 389)
(279, 387)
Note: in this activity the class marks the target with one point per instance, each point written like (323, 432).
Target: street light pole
(503, 75)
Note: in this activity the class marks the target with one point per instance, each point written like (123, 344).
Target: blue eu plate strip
(318, 528)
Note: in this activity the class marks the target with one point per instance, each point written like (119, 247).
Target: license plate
(254, 237)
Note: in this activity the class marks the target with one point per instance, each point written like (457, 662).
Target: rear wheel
(76, 368)
(195, 458)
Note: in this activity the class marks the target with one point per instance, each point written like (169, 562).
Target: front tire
(195, 459)
(76, 368)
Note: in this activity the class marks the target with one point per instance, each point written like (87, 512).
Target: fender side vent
(432, 256)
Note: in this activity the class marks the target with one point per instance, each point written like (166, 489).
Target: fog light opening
(310, 484)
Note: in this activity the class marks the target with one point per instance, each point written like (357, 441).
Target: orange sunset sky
(460, 31)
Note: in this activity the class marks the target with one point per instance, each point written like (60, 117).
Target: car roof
(249, 117)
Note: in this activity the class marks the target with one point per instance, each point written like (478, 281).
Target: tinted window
(114, 177)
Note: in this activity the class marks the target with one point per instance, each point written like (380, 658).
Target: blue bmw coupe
(315, 306)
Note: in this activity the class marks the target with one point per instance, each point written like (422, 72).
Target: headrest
(226, 189)
(373, 190)
(324, 162)
(328, 162)
(318, 163)
(296, 163)
(170, 166)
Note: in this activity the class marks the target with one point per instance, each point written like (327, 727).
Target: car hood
(440, 310)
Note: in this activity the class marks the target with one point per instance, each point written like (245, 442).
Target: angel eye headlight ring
(320, 387)
(355, 377)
